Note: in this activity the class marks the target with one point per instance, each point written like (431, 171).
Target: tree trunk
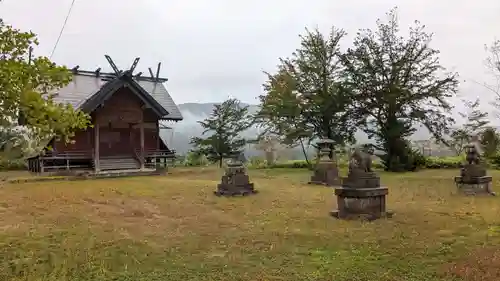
(220, 161)
(305, 152)
(396, 154)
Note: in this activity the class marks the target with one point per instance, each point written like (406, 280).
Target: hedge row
(430, 163)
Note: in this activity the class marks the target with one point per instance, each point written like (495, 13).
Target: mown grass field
(173, 228)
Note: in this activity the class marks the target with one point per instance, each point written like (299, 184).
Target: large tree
(26, 87)
(223, 129)
(306, 98)
(399, 83)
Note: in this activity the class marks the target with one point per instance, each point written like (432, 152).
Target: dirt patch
(123, 207)
(479, 265)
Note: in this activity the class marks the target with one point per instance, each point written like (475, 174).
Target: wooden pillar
(131, 140)
(157, 145)
(141, 129)
(40, 159)
(96, 148)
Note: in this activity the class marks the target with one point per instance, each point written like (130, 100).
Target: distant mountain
(179, 136)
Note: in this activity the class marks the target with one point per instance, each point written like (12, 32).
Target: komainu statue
(361, 160)
(473, 151)
(361, 195)
(360, 173)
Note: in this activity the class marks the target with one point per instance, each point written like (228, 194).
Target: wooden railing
(77, 159)
(67, 160)
(156, 158)
(75, 154)
(157, 153)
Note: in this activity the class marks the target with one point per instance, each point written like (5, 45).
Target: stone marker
(326, 171)
(473, 179)
(235, 181)
(361, 195)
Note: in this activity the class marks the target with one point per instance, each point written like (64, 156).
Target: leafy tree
(476, 119)
(398, 84)
(490, 140)
(227, 121)
(493, 65)
(12, 143)
(458, 139)
(26, 84)
(195, 159)
(306, 98)
(476, 122)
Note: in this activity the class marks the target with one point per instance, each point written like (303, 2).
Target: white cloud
(212, 48)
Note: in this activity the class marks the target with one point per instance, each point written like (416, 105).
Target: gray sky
(210, 49)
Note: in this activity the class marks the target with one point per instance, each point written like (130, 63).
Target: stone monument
(326, 171)
(235, 181)
(473, 179)
(361, 195)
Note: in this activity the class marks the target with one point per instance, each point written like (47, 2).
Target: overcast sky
(211, 49)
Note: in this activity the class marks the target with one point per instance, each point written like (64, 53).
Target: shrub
(257, 163)
(297, 164)
(302, 164)
(12, 165)
(420, 162)
(444, 162)
(404, 159)
(194, 159)
(495, 161)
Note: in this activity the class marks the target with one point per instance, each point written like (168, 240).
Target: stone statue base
(367, 203)
(475, 186)
(474, 181)
(361, 197)
(326, 173)
(235, 182)
(360, 179)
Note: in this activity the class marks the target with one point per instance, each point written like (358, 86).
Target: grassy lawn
(173, 228)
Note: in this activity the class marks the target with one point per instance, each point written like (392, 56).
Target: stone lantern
(235, 181)
(326, 171)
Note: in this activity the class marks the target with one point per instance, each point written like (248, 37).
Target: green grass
(173, 228)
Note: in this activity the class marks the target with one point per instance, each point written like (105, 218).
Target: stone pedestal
(326, 171)
(235, 181)
(361, 197)
(367, 203)
(474, 181)
(361, 180)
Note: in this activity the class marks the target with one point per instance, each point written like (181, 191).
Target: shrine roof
(86, 84)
